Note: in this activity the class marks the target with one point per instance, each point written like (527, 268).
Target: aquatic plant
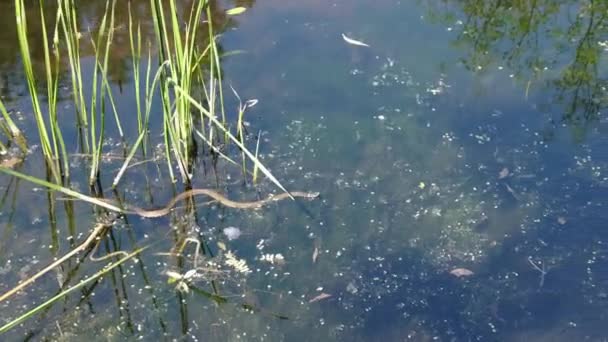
(53, 147)
(188, 79)
(11, 131)
(89, 280)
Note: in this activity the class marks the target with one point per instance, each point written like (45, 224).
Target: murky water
(462, 169)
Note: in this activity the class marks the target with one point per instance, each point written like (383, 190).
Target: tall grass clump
(89, 113)
(51, 140)
(178, 53)
(90, 109)
(97, 115)
(189, 91)
(188, 80)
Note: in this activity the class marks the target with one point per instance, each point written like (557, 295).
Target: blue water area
(462, 166)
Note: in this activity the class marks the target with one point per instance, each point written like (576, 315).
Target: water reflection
(90, 14)
(555, 48)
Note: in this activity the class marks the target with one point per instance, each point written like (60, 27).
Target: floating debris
(561, 220)
(236, 11)
(321, 296)
(461, 272)
(182, 280)
(232, 233)
(239, 265)
(504, 173)
(353, 41)
(275, 259)
(352, 288)
(221, 245)
(11, 162)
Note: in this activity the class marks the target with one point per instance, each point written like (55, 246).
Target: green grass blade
(128, 160)
(59, 188)
(235, 140)
(66, 292)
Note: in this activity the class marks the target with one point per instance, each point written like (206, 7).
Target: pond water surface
(462, 165)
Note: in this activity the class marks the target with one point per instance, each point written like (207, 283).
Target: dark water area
(462, 164)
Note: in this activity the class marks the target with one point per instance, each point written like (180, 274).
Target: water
(467, 136)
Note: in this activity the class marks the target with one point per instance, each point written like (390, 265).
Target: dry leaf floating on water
(315, 255)
(321, 296)
(221, 245)
(236, 11)
(461, 272)
(316, 250)
(353, 41)
(504, 173)
(11, 162)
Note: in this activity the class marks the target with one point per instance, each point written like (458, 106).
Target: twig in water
(543, 271)
(99, 228)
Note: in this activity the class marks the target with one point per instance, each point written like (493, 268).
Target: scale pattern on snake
(152, 213)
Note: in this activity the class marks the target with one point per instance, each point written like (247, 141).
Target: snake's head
(313, 195)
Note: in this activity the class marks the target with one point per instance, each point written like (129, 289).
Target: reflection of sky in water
(423, 167)
(427, 169)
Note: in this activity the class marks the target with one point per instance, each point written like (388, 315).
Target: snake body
(99, 228)
(152, 213)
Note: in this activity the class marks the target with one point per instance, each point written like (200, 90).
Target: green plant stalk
(240, 133)
(45, 142)
(105, 31)
(255, 166)
(142, 114)
(181, 55)
(198, 71)
(215, 149)
(234, 139)
(107, 90)
(62, 189)
(95, 151)
(149, 96)
(168, 132)
(13, 131)
(135, 46)
(52, 79)
(164, 62)
(69, 25)
(216, 63)
(142, 134)
(184, 54)
(211, 100)
(128, 160)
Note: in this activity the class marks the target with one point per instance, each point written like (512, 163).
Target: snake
(216, 196)
(101, 227)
